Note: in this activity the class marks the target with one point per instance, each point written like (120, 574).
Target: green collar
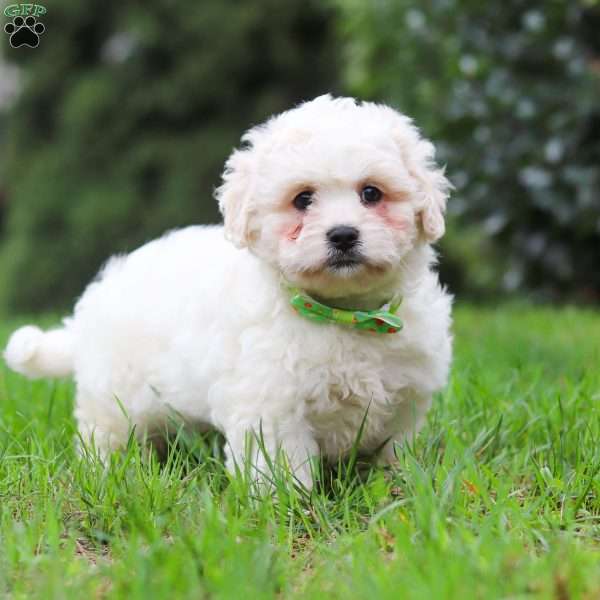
(382, 320)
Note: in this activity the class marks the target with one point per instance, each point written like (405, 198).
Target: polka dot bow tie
(383, 320)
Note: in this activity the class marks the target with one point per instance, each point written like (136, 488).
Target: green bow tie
(383, 320)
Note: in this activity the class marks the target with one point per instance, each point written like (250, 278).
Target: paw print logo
(24, 32)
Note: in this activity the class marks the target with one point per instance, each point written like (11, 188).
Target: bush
(126, 117)
(509, 91)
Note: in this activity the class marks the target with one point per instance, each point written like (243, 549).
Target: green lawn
(498, 497)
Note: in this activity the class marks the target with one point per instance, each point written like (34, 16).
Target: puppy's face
(334, 194)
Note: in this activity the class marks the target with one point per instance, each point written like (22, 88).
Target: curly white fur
(189, 324)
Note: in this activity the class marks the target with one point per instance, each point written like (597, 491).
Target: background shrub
(126, 114)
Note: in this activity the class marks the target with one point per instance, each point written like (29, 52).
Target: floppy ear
(432, 185)
(235, 196)
(433, 189)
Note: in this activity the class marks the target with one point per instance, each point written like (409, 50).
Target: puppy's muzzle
(343, 238)
(344, 247)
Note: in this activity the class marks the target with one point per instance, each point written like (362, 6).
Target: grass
(498, 497)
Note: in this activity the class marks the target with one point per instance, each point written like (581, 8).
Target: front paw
(388, 456)
(269, 463)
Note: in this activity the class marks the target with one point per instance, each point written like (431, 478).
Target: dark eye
(303, 200)
(370, 194)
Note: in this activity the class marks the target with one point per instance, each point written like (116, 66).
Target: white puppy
(335, 198)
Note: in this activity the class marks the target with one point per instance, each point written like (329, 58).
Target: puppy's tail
(36, 353)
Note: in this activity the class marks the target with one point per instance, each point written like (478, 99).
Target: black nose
(343, 237)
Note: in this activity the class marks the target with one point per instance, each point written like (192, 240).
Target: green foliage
(509, 91)
(498, 497)
(126, 117)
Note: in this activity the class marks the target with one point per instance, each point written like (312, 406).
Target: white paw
(22, 346)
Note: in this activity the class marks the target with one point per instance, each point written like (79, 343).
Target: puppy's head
(334, 194)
